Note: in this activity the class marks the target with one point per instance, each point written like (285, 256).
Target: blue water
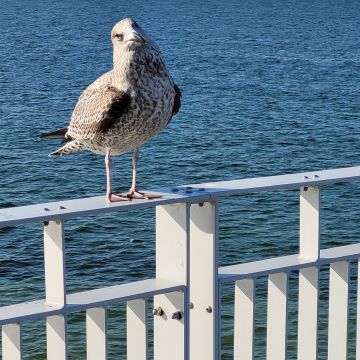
(268, 87)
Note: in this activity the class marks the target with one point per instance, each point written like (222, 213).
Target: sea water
(268, 87)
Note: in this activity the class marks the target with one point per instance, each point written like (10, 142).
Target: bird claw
(134, 194)
(130, 196)
(115, 197)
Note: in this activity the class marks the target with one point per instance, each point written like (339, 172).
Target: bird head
(127, 35)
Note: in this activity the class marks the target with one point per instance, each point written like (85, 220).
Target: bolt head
(176, 315)
(158, 311)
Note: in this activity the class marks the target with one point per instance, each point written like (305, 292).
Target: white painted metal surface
(69, 209)
(169, 332)
(244, 318)
(125, 292)
(12, 342)
(87, 299)
(54, 259)
(172, 246)
(184, 194)
(280, 182)
(286, 263)
(188, 277)
(203, 287)
(96, 334)
(56, 337)
(338, 310)
(309, 276)
(308, 313)
(277, 317)
(310, 222)
(137, 333)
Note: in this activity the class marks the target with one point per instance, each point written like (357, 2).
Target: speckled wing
(177, 102)
(99, 108)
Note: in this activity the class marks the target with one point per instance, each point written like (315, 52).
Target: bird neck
(123, 64)
(123, 60)
(131, 66)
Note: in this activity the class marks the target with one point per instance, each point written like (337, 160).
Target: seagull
(125, 107)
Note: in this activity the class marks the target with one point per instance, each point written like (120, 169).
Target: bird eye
(120, 37)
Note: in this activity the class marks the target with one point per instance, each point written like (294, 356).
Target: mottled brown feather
(58, 134)
(98, 109)
(177, 102)
(117, 109)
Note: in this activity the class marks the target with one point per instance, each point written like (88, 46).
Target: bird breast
(152, 100)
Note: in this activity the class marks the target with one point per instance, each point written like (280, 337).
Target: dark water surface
(268, 87)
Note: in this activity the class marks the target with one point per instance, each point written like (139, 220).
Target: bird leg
(133, 193)
(109, 195)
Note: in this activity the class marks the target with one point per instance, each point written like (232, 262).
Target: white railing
(186, 288)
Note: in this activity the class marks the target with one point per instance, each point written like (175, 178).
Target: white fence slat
(54, 261)
(169, 334)
(310, 222)
(172, 246)
(96, 334)
(277, 317)
(11, 342)
(244, 319)
(204, 288)
(137, 340)
(172, 226)
(338, 310)
(56, 337)
(308, 313)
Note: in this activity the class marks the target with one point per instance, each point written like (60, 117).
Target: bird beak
(137, 38)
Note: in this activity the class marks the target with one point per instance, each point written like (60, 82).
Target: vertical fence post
(136, 335)
(204, 286)
(309, 277)
(172, 246)
(244, 319)
(310, 222)
(54, 256)
(338, 310)
(96, 333)
(12, 342)
(277, 317)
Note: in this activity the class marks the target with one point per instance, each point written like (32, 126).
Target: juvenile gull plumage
(126, 106)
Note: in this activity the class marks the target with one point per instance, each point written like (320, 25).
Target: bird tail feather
(58, 134)
(68, 148)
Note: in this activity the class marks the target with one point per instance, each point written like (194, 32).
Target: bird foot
(134, 194)
(116, 197)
